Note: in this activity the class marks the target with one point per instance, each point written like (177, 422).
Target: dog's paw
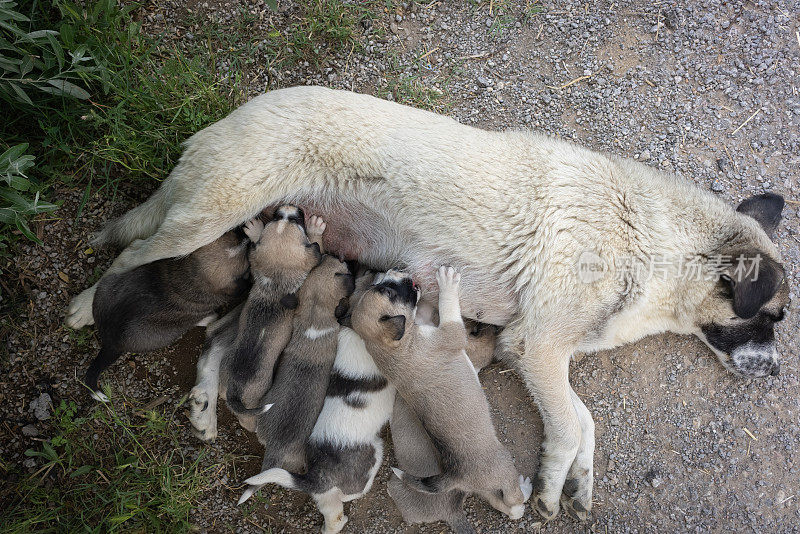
(79, 312)
(576, 497)
(315, 226)
(543, 501)
(335, 526)
(526, 486)
(448, 278)
(253, 229)
(202, 416)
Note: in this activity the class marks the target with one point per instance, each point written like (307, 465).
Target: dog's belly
(356, 231)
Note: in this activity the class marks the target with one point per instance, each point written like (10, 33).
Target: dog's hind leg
(577, 495)
(547, 376)
(104, 359)
(179, 234)
(332, 509)
(204, 395)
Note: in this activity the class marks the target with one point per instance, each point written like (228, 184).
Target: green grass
(117, 468)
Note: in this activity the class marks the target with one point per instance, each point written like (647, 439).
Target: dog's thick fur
(281, 258)
(304, 369)
(513, 210)
(431, 371)
(416, 454)
(151, 306)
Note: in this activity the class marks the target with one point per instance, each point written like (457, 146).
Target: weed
(103, 472)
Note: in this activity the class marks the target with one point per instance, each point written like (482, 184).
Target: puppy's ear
(342, 308)
(396, 325)
(346, 320)
(765, 208)
(289, 301)
(388, 292)
(751, 290)
(315, 246)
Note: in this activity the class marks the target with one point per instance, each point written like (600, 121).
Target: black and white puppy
(345, 449)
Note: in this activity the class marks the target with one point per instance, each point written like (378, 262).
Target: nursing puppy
(345, 449)
(555, 240)
(431, 371)
(155, 304)
(281, 258)
(417, 456)
(303, 371)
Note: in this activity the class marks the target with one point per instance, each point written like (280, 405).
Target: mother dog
(556, 242)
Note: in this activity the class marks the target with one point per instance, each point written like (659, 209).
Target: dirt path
(681, 444)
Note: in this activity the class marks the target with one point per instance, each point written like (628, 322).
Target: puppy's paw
(526, 486)
(79, 312)
(315, 226)
(447, 278)
(335, 526)
(202, 415)
(576, 497)
(253, 229)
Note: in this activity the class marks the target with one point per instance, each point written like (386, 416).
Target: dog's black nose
(776, 369)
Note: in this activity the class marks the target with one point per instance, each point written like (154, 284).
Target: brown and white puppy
(345, 449)
(280, 260)
(417, 456)
(155, 304)
(303, 372)
(431, 371)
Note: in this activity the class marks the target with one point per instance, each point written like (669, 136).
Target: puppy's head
(736, 319)
(481, 342)
(383, 311)
(328, 286)
(284, 245)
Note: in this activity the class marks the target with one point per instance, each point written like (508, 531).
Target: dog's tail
(432, 484)
(139, 223)
(237, 406)
(278, 476)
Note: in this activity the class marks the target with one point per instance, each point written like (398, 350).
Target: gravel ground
(707, 89)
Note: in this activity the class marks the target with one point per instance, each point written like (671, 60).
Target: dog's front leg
(577, 495)
(547, 377)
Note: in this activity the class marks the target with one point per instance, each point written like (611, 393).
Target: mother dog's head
(748, 293)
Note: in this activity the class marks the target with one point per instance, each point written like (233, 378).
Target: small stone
(656, 482)
(484, 82)
(30, 431)
(41, 407)
(645, 155)
(717, 187)
(738, 432)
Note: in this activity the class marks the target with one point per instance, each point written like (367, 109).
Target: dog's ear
(388, 292)
(752, 288)
(342, 307)
(315, 246)
(346, 320)
(765, 208)
(289, 301)
(396, 325)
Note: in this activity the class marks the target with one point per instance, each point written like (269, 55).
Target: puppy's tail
(278, 476)
(139, 223)
(432, 484)
(237, 406)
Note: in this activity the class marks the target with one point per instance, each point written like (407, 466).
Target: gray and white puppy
(303, 371)
(345, 449)
(417, 456)
(280, 260)
(431, 371)
(153, 305)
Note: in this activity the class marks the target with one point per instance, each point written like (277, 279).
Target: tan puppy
(431, 371)
(280, 261)
(417, 455)
(303, 373)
